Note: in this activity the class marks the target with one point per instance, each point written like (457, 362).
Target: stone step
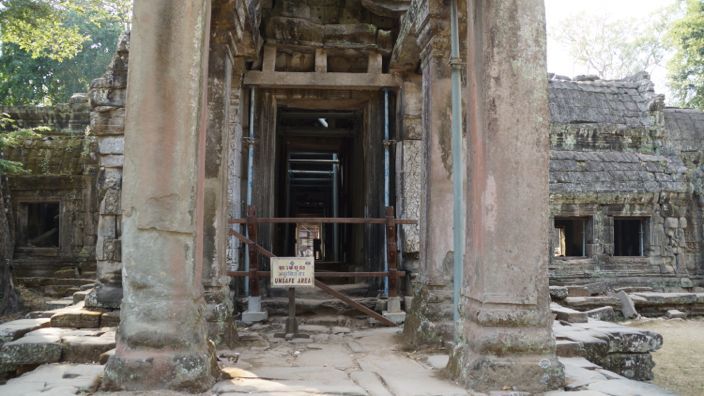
(10, 331)
(568, 314)
(52, 344)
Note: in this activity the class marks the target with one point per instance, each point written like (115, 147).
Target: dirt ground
(679, 364)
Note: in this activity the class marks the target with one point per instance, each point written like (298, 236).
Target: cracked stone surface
(353, 362)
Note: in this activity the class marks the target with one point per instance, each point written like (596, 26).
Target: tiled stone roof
(614, 172)
(622, 102)
(685, 128)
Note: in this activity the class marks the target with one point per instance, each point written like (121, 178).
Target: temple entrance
(320, 166)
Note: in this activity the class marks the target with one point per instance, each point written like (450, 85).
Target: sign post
(292, 272)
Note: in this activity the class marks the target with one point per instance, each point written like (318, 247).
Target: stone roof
(591, 100)
(685, 128)
(574, 172)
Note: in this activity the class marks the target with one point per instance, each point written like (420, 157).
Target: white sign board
(292, 272)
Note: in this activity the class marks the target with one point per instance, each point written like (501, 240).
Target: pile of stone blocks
(617, 348)
(72, 334)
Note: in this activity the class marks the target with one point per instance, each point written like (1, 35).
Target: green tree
(686, 68)
(614, 48)
(35, 71)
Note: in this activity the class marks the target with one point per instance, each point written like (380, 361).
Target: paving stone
(579, 377)
(407, 377)
(54, 380)
(291, 380)
(310, 328)
(10, 331)
(371, 383)
(626, 387)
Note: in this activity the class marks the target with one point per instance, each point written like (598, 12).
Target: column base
(152, 370)
(254, 312)
(484, 373)
(429, 317)
(394, 312)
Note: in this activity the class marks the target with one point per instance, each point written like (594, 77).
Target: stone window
(571, 236)
(630, 236)
(38, 224)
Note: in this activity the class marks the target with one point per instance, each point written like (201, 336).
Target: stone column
(221, 326)
(162, 339)
(506, 338)
(430, 317)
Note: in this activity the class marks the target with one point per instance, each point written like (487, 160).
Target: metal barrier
(254, 273)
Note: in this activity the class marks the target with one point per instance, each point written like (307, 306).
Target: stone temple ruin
(219, 110)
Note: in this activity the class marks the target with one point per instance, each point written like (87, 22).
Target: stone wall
(107, 123)
(61, 172)
(615, 155)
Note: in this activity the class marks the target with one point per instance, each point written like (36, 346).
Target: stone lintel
(341, 81)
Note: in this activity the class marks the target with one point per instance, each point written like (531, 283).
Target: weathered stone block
(78, 349)
(637, 366)
(80, 296)
(10, 331)
(675, 314)
(604, 313)
(112, 97)
(76, 318)
(568, 314)
(107, 121)
(111, 145)
(628, 308)
(110, 205)
(112, 161)
(37, 347)
(107, 229)
(558, 292)
(110, 319)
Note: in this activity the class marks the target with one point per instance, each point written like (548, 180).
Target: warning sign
(292, 272)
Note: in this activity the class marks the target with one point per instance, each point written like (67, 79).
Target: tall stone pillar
(221, 325)
(506, 338)
(430, 317)
(162, 339)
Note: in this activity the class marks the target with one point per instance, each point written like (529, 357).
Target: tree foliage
(614, 48)
(686, 68)
(54, 48)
